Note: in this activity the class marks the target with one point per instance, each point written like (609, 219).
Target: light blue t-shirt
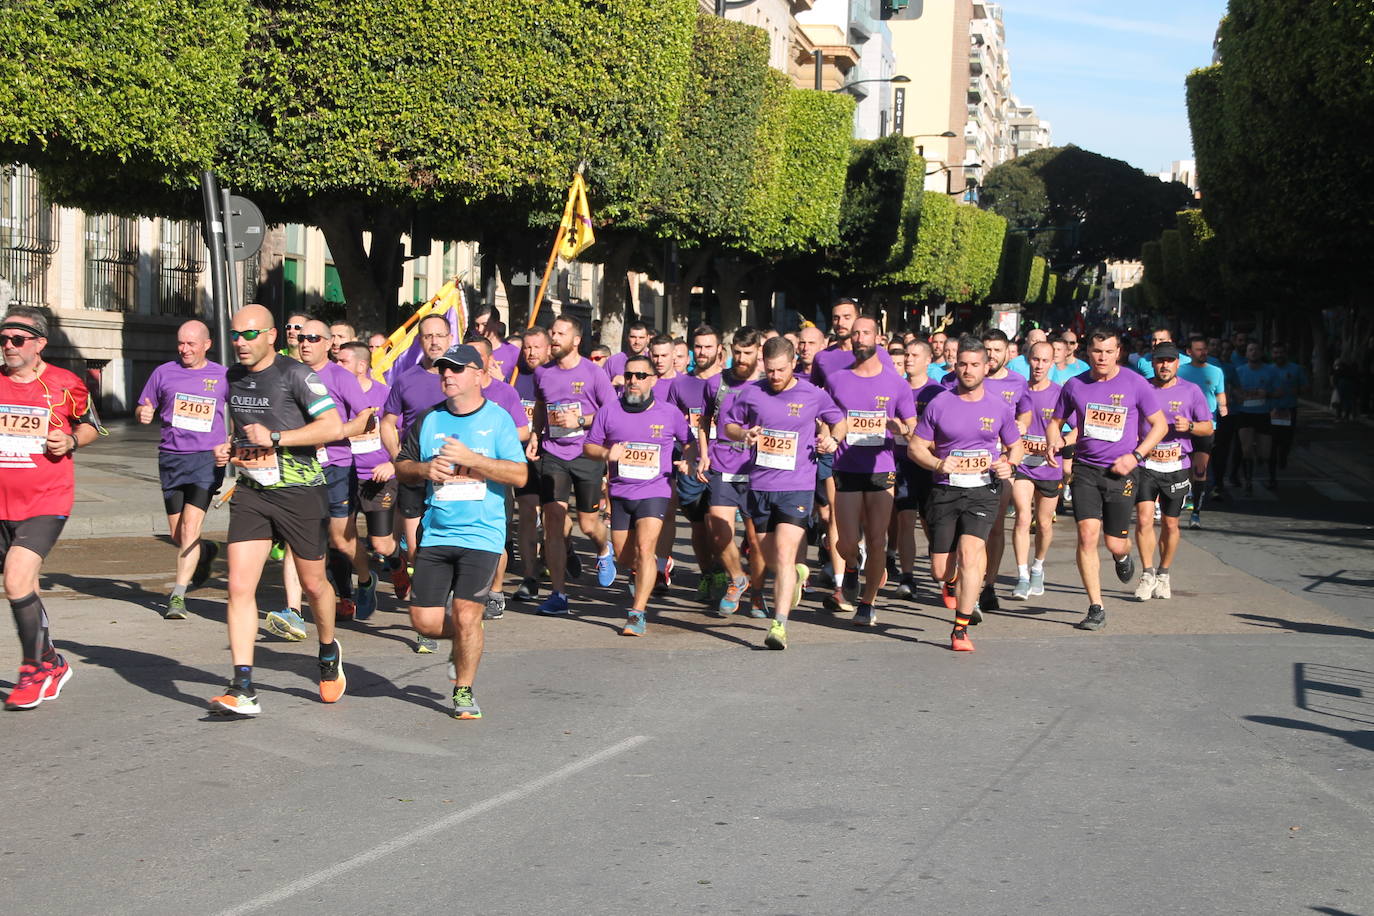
(935, 372)
(1256, 387)
(1208, 377)
(1291, 378)
(1072, 370)
(1020, 365)
(469, 512)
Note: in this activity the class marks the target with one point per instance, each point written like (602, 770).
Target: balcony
(977, 61)
(863, 24)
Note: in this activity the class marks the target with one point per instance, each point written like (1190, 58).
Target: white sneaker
(1146, 589)
(1162, 589)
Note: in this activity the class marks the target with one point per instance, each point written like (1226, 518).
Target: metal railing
(181, 257)
(28, 237)
(111, 263)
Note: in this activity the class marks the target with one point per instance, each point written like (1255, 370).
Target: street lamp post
(921, 150)
(888, 79)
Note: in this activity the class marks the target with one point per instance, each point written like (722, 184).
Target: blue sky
(1108, 76)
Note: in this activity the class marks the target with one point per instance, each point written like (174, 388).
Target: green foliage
(703, 187)
(978, 239)
(1017, 195)
(1176, 279)
(1051, 288)
(798, 205)
(1035, 282)
(1099, 208)
(1013, 269)
(928, 236)
(128, 92)
(882, 186)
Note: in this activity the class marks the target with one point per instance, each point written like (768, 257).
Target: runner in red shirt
(44, 417)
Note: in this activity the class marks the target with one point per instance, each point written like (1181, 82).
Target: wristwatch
(276, 438)
(1138, 457)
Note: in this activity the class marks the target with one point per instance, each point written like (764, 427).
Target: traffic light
(890, 9)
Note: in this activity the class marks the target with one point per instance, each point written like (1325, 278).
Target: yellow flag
(577, 221)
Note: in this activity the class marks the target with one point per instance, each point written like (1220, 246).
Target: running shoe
(400, 582)
(906, 587)
(729, 602)
(208, 551)
(836, 603)
(987, 599)
(865, 616)
(332, 680)
(464, 706)
(1195, 521)
(1162, 587)
(959, 641)
(850, 588)
(278, 551)
(528, 590)
(1022, 590)
(1096, 619)
(425, 646)
(803, 573)
(826, 577)
(1158, 511)
(665, 577)
(1146, 589)
(777, 635)
(573, 566)
(37, 683)
(235, 702)
(975, 616)
(634, 624)
(605, 569)
(758, 605)
(286, 623)
(892, 569)
(59, 672)
(1188, 502)
(948, 595)
(176, 608)
(345, 609)
(1125, 568)
(366, 597)
(556, 605)
(1037, 582)
(496, 607)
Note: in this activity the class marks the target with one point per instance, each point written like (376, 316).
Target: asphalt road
(1211, 754)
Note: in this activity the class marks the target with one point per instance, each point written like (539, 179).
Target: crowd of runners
(801, 462)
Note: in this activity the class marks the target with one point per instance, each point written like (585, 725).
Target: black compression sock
(31, 620)
(243, 677)
(330, 651)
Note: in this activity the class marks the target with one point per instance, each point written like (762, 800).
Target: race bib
(777, 449)
(321, 455)
(1252, 398)
(734, 478)
(641, 461)
(565, 419)
(259, 465)
(193, 413)
(365, 443)
(461, 490)
(969, 468)
(23, 429)
(529, 409)
(1037, 451)
(866, 427)
(1281, 416)
(1165, 457)
(1104, 422)
(694, 419)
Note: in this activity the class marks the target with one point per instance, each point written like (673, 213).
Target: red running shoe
(345, 609)
(959, 641)
(948, 596)
(400, 582)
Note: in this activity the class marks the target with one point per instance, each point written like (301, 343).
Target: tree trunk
(370, 275)
(615, 293)
(730, 274)
(761, 293)
(680, 293)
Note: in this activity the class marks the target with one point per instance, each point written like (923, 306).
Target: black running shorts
(625, 512)
(442, 569)
(577, 480)
(1169, 487)
(858, 482)
(1046, 488)
(37, 534)
(955, 511)
(297, 516)
(1100, 494)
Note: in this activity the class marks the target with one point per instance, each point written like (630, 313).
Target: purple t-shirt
(868, 403)
(529, 394)
(730, 458)
(347, 393)
(688, 395)
(190, 404)
(971, 432)
(1040, 405)
(368, 451)
(616, 364)
(920, 400)
(647, 468)
(1174, 451)
(416, 391)
(833, 359)
(1009, 388)
(504, 360)
(1109, 414)
(505, 396)
(785, 457)
(567, 396)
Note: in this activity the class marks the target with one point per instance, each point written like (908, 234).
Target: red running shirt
(32, 482)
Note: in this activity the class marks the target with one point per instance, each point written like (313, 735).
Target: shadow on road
(1361, 738)
(156, 674)
(1303, 626)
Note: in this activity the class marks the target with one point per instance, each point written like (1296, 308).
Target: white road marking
(409, 839)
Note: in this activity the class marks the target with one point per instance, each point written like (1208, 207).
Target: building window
(293, 297)
(27, 239)
(333, 286)
(181, 257)
(111, 263)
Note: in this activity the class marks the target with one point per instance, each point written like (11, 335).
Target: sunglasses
(447, 367)
(310, 338)
(15, 340)
(639, 375)
(246, 335)
(292, 327)
(600, 359)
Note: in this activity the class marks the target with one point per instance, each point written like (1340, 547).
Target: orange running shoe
(332, 680)
(959, 641)
(345, 609)
(948, 596)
